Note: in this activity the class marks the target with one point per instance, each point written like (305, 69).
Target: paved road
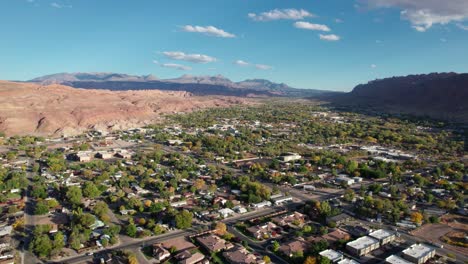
(134, 245)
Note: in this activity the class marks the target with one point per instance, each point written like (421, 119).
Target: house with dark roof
(294, 246)
(213, 243)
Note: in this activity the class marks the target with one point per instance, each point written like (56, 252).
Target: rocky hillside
(437, 95)
(56, 109)
(197, 85)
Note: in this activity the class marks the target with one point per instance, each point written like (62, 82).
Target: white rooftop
(331, 255)
(362, 242)
(393, 259)
(348, 261)
(418, 250)
(381, 234)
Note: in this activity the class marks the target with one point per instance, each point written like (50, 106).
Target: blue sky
(321, 44)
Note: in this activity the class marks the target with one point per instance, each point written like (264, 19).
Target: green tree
(74, 195)
(41, 245)
(184, 219)
(59, 241)
(90, 190)
(275, 246)
(131, 230)
(41, 208)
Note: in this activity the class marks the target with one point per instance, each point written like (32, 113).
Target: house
(239, 209)
(5, 230)
(213, 243)
(104, 155)
(261, 204)
(173, 142)
(394, 259)
(336, 235)
(267, 230)
(287, 157)
(179, 203)
(363, 245)
(124, 154)
(339, 219)
(344, 180)
(160, 253)
(193, 259)
(81, 156)
(384, 236)
(225, 212)
(240, 255)
(282, 200)
(332, 255)
(296, 219)
(297, 245)
(418, 253)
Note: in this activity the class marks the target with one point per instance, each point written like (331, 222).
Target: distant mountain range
(197, 85)
(437, 95)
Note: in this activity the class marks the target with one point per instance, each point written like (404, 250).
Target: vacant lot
(451, 226)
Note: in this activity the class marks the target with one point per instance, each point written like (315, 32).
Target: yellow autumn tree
(221, 228)
(310, 260)
(417, 217)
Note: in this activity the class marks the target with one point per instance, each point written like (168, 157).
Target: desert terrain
(33, 109)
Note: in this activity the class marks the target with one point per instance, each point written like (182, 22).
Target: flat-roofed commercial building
(419, 253)
(332, 255)
(394, 259)
(363, 245)
(384, 236)
(348, 261)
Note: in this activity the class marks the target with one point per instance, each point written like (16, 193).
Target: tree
(183, 219)
(132, 259)
(131, 230)
(325, 209)
(221, 228)
(59, 241)
(324, 260)
(159, 229)
(349, 195)
(199, 184)
(101, 208)
(90, 190)
(310, 260)
(275, 246)
(417, 217)
(74, 195)
(41, 245)
(266, 259)
(41, 208)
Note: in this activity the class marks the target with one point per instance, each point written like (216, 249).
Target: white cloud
(241, 63)
(373, 66)
(461, 26)
(173, 66)
(423, 14)
(196, 58)
(263, 67)
(276, 14)
(331, 37)
(338, 20)
(57, 5)
(310, 26)
(208, 30)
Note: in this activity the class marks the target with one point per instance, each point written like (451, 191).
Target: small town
(306, 184)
